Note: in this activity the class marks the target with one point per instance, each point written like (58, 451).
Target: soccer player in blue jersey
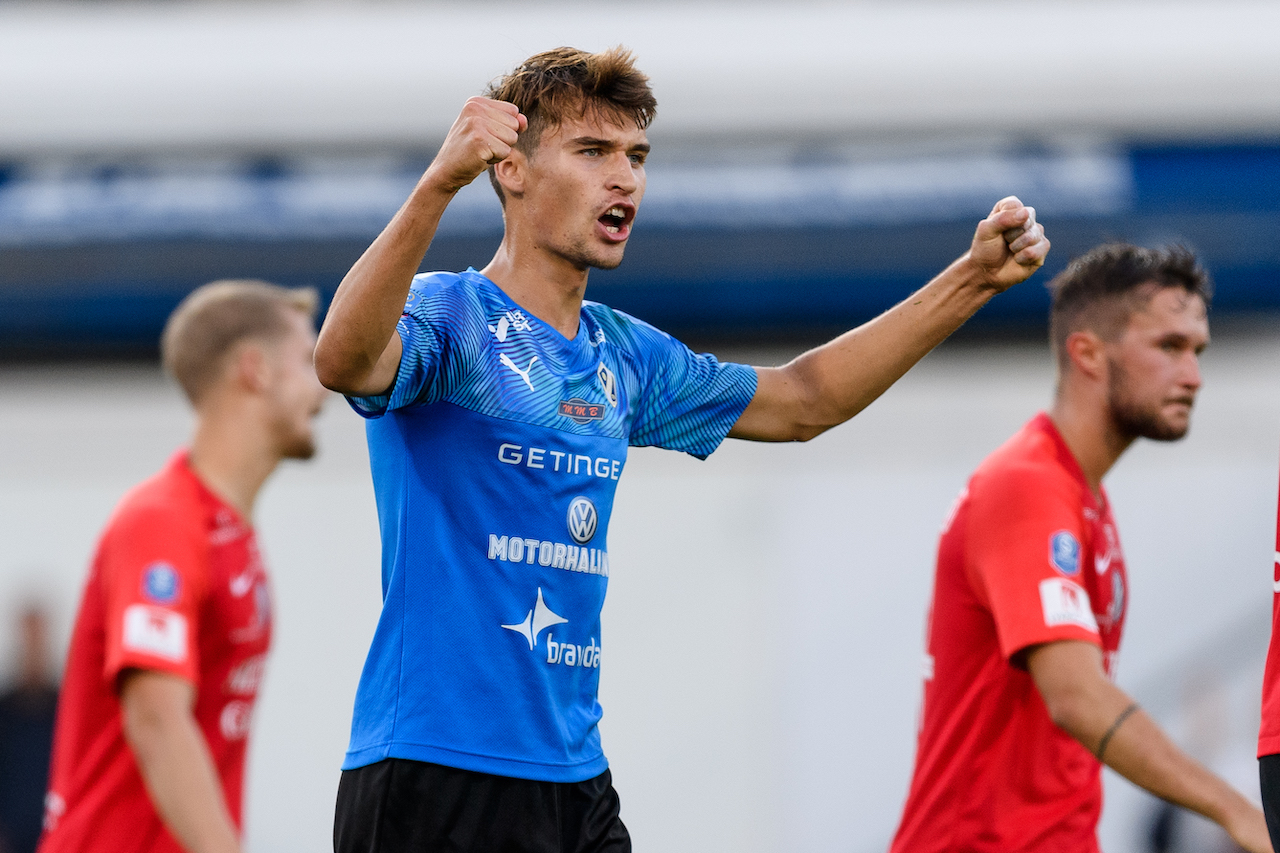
(501, 405)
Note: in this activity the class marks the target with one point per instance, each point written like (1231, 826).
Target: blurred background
(813, 163)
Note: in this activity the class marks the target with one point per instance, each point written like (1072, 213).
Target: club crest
(608, 384)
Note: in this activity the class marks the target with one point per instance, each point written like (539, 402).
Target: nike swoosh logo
(241, 584)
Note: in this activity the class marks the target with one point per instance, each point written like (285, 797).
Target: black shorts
(398, 806)
(1269, 777)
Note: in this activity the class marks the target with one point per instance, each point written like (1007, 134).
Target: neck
(547, 286)
(231, 457)
(1090, 435)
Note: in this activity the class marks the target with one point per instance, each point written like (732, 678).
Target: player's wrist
(970, 273)
(1235, 811)
(439, 184)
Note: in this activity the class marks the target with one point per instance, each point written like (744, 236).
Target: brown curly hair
(554, 85)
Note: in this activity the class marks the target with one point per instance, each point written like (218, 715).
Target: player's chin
(299, 447)
(607, 260)
(1173, 426)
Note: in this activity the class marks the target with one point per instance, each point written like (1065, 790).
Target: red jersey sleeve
(1024, 549)
(1269, 732)
(153, 573)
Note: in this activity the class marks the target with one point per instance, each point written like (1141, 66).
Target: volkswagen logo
(582, 520)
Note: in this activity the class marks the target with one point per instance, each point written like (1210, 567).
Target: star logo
(536, 621)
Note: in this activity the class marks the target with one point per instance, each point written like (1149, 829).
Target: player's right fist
(1009, 245)
(484, 133)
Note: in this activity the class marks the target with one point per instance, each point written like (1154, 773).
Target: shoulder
(624, 330)
(166, 505)
(432, 293)
(1024, 472)
(427, 284)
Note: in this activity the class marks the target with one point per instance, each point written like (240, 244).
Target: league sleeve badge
(1064, 552)
(160, 583)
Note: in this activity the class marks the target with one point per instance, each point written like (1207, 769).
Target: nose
(623, 174)
(1191, 378)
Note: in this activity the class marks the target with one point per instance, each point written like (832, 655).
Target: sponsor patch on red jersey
(156, 631)
(1066, 603)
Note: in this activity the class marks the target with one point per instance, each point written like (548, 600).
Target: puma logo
(523, 374)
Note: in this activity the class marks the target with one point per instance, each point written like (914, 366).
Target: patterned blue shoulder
(621, 328)
(433, 291)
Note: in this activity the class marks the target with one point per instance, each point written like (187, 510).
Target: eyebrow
(1182, 338)
(596, 142)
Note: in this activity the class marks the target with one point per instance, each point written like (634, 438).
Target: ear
(251, 368)
(512, 173)
(1088, 354)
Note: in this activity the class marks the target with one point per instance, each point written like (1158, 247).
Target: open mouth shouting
(617, 221)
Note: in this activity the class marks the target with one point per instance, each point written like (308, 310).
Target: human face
(582, 188)
(1154, 367)
(295, 395)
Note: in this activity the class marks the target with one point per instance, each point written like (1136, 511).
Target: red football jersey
(1269, 733)
(1028, 556)
(176, 586)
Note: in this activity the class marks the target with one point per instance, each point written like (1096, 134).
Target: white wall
(763, 632)
(96, 77)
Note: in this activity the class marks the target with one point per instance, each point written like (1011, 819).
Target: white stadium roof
(130, 77)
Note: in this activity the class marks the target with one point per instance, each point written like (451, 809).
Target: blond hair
(217, 316)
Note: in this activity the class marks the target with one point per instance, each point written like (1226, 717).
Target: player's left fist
(1009, 245)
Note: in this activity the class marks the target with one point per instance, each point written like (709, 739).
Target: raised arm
(358, 351)
(830, 384)
(175, 762)
(1085, 704)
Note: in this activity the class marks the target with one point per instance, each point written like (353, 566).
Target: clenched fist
(1009, 245)
(483, 134)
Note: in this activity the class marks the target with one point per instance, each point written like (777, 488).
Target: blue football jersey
(495, 459)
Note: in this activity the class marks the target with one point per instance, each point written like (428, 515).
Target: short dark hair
(1100, 289)
(214, 317)
(551, 86)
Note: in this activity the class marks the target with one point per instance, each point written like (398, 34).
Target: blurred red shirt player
(1030, 592)
(1269, 732)
(175, 621)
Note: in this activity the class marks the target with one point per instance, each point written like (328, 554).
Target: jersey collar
(1067, 459)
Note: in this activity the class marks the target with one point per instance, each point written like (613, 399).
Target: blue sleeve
(689, 402)
(427, 358)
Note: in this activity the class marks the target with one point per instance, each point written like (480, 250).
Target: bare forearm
(358, 350)
(181, 782)
(1085, 704)
(368, 303)
(1143, 754)
(828, 385)
(849, 373)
